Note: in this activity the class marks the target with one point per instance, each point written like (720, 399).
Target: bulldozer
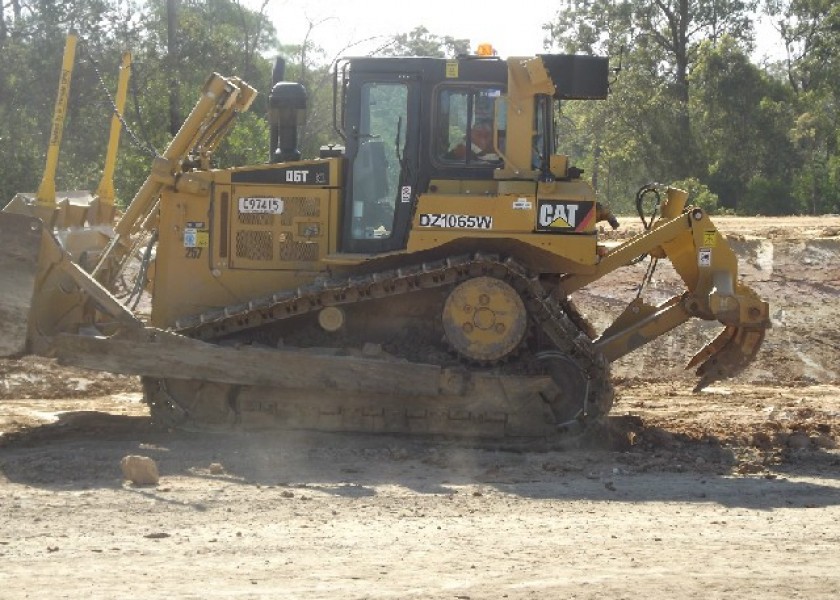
(406, 280)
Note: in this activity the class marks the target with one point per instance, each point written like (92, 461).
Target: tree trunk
(681, 58)
(172, 57)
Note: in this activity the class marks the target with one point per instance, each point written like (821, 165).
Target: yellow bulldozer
(413, 278)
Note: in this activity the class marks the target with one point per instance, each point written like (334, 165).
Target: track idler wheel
(484, 319)
(575, 400)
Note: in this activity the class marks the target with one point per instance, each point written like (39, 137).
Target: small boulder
(140, 470)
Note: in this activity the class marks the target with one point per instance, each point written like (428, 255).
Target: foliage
(660, 39)
(420, 42)
(741, 132)
(246, 142)
(766, 197)
(699, 194)
(689, 104)
(213, 35)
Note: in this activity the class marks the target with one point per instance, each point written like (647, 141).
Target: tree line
(688, 104)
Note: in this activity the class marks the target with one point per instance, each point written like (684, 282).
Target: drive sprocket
(484, 319)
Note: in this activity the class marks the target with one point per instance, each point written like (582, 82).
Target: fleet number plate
(270, 206)
(456, 221)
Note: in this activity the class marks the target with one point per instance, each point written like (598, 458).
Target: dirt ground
(730, 493)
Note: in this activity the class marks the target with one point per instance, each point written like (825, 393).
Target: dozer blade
(20, 240)
(727, 354)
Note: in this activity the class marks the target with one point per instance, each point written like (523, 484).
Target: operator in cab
(478, 144)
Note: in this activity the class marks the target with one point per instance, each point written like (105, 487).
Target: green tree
(810, 30)
(660, 40)
(32, 49)
(214, 35)
(421, 42)
(699, 194)
(742, 127)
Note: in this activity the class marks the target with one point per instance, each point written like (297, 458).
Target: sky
(357, 27)
(340, 23)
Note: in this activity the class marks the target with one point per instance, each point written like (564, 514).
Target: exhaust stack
(287, 110)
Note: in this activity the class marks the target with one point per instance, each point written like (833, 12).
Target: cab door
(382, 113)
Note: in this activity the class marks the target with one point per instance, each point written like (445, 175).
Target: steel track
(559, 320)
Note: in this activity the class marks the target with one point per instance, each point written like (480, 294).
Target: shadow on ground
(624, 462)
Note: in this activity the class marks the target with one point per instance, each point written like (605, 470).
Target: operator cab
(405, 122)
(415, 126)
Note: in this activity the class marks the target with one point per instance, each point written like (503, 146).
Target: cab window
(543, 140)
(376, 168)
(464, 126)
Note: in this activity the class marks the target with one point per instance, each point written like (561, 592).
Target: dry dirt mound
(35, 377)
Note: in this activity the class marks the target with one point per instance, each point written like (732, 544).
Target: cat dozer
(413, 278)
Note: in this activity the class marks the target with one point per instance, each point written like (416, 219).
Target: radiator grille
(255, 219)
(254, 245)
(299, 207)
(276, 241)
(291, 250)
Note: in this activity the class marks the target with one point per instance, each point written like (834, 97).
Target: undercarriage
(499, 356)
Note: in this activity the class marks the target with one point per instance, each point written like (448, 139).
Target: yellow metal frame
(45, 197)
(708, 267)
(105, 192)
(221, 100)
